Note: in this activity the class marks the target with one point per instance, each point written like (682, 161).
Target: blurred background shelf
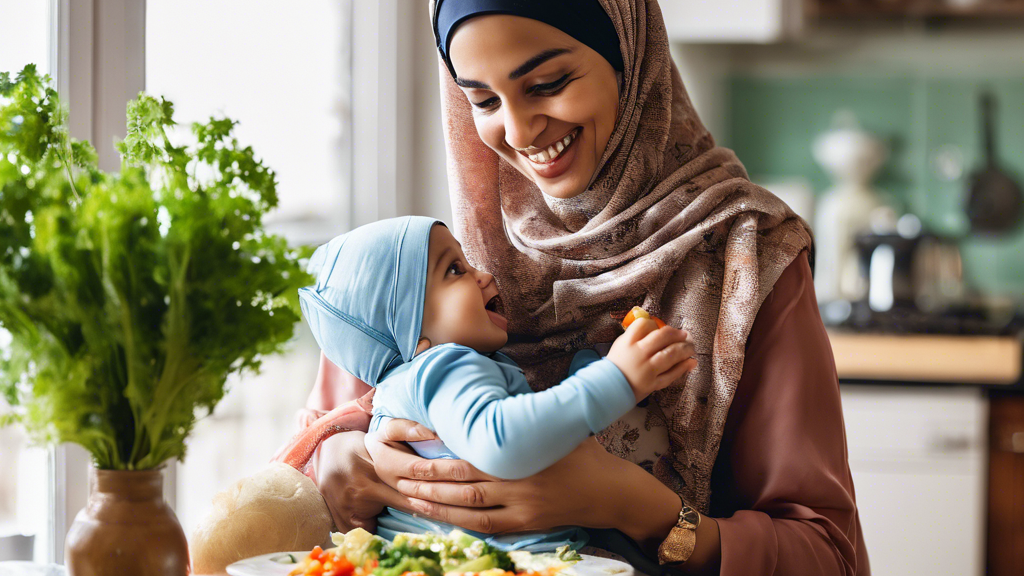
(975, 360)
(928, 9)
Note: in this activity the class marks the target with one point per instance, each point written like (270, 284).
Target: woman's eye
(489, 103)
(550, 88)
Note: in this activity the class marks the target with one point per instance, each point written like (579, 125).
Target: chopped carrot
(638, 312)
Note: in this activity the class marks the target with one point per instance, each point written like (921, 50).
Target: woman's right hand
(349, 483)
(395, 461)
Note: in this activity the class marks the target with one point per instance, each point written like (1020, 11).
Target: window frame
(97, 53)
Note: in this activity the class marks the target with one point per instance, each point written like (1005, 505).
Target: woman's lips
(556, 167)
(498, 320)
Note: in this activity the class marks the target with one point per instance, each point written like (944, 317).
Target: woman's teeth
(553, 151)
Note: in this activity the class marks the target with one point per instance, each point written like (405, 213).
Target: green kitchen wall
(773, 121)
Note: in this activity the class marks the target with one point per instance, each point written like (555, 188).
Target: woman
(583, 180)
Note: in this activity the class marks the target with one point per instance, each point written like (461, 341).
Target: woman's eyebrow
(471, 84)
(519, 72)
(536, 61)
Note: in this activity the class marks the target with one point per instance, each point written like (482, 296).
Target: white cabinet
(738, 21)
(919, 470)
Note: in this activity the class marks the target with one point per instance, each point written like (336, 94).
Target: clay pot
(126, 528)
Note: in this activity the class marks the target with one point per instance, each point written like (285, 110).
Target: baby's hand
(652, 358)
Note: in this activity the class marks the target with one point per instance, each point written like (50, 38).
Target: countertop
(991, 361)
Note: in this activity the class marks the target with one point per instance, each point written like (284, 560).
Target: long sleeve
(469, 404)
(333, 386)
(782, 484)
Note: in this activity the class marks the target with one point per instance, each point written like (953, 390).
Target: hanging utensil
(994, 199)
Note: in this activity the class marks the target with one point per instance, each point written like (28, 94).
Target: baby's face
(462, 303)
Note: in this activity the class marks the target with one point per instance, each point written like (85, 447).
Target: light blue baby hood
(366, 308)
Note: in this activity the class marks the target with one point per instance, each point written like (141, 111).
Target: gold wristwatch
(680, 542)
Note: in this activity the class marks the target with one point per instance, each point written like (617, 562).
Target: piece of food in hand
(276, 510)
(638, 312)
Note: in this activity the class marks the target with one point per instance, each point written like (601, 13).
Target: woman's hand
(589, 488)
(349, 483)
(394, 462)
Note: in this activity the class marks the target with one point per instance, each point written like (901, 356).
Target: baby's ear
(422, 345)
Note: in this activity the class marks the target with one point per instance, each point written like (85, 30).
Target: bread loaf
(276, 510)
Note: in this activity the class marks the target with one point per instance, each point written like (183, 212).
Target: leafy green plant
(129, 297)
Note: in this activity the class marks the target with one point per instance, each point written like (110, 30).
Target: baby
(397, 305)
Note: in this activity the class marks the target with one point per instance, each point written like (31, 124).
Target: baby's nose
(483, 279)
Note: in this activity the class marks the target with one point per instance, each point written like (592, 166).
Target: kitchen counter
(928, 358)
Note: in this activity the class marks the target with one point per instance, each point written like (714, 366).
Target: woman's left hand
(589, 488)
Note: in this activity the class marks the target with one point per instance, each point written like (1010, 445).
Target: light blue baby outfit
(366, 312)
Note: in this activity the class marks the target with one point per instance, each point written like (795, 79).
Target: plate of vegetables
(359, 553)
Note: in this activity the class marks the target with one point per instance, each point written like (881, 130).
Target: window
(281, 70)
(26, 511)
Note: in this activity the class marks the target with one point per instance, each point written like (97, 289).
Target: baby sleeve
(469, 405)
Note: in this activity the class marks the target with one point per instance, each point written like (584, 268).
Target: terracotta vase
(126, 528)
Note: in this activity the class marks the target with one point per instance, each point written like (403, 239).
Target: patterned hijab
(670, 223)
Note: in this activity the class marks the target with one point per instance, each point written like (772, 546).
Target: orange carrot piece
(638, 312)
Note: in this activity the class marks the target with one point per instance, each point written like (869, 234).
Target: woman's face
(543, 101)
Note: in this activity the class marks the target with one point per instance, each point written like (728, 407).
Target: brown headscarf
(670, 223)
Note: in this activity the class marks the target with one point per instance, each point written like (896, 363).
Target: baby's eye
(456, 269)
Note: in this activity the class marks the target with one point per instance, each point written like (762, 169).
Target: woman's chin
(562, 192)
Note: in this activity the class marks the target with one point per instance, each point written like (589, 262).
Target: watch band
(680, 542)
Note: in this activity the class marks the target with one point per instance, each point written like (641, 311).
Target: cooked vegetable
(430, 555)
(638, 312)
(129, 297)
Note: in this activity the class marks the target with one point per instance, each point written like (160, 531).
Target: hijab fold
(671, 223)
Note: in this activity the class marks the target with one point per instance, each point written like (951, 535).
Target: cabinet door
(744, 21)
(1006, 487)
(918, 462)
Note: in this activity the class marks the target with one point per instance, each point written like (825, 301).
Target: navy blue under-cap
(584, 20)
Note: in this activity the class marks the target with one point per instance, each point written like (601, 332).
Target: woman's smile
(545, 102)
(555, 159)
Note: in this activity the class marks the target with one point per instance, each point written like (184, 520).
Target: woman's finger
(486, 520)
(399, 430)
(468, 494)
(393, 462)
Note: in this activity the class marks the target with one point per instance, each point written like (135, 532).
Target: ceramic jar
(126, 528)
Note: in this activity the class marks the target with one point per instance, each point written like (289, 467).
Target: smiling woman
(552, 115)
(586, 184)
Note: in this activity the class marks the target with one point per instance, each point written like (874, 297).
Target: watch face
(690, 515)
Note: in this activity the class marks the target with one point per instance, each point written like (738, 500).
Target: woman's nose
(522, 125)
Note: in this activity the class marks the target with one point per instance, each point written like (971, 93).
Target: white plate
(265, 566)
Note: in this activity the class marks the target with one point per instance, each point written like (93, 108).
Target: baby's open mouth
(494, 305)
(496, 312)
